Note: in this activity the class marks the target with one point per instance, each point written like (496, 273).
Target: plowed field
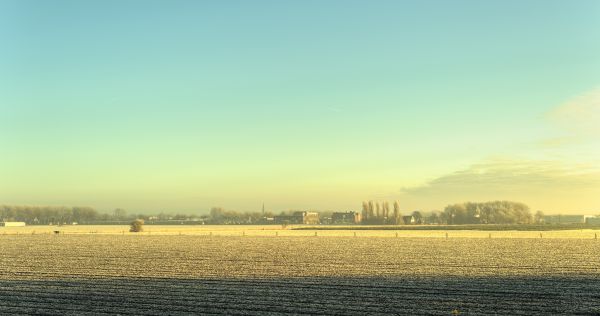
(252, 275)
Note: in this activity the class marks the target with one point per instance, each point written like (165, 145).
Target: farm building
(346, 217)
(564, 219)
(408, 219)
(12, 224)
(311, 218)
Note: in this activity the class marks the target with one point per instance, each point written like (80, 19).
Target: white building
(12, 224)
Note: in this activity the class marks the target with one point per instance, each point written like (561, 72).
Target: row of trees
(494, 212)
(219, 215)
(58, 215)
(48, 214)
(375, 213)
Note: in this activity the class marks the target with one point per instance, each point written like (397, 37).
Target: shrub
(137, 226)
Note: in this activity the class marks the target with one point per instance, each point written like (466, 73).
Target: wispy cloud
(544, 184)
(579, 115)
(504, 174)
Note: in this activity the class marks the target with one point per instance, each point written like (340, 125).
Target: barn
(408, 220)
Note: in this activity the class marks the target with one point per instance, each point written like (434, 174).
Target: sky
(184, 105)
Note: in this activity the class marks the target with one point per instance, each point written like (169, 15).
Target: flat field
(305, 230)
(266, 274)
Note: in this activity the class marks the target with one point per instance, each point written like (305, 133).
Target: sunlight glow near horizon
(183, 105)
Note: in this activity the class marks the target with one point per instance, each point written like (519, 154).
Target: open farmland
(402, 231)
(191, 274)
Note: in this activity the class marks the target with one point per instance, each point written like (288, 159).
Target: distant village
(355, 218)
(372, 213)
(380, 213)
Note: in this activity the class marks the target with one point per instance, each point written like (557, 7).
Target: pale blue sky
(181, 105)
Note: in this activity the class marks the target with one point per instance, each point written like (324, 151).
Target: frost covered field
(276, 230)
(247, 273)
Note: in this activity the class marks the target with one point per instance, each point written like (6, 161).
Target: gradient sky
(183, 105)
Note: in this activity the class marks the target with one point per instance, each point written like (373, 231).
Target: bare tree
(539, 217)
(396, 212)
(434, 218)
(120, 214)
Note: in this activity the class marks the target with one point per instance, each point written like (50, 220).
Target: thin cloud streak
(581, 115)
(542, 184)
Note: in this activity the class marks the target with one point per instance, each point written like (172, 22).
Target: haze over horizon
(184, 105)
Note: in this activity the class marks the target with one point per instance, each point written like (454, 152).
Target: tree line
(46, 215)
(67, 215)
(494, 212)
(374, 213)
(221, 216)
(59, 215)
